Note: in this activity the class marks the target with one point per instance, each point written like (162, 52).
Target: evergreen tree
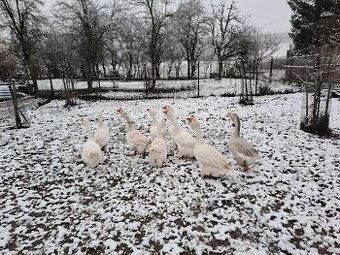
(314, 22)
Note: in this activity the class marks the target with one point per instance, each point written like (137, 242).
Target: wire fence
(13, 108)
(200, 79)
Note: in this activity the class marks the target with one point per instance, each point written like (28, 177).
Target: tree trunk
(129, 74)
(188, 67)
(153, 75)
(113, 64)
(193, 69)
(177, 71)
(220, 66)
(34, 76)
(170, 69)
(271, 70)
(51, 83)
(104, 69)
(89, 78)
(15, 104)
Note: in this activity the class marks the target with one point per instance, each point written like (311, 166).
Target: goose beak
(165, 110)
(229, 114)
(190, 118)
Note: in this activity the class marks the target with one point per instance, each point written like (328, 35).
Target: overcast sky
(271, 15)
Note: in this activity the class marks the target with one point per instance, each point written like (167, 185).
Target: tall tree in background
(265, 46)
(225, 27)
(157, 14)
(174, 53)
(314, 22)
(190, 24)
(23, 19)
(86, 21)
(132, 40)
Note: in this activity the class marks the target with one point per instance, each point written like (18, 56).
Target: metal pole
(271, 69)
(198, 78)
(15, 103)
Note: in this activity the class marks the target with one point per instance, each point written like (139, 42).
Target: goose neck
(130, 126)
(88, 131)
(237, 127)
(199, 134)
(100, 122)
(152, 116)
(173, 120)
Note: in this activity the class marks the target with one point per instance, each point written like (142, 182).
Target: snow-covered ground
(51, 203)
(179, 88)
(207, 86)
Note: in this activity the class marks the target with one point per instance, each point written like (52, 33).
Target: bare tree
(132, 40)
(224, 27)
(111, 52)
(50, 56)
(174, 54)
(23, 19)
(85, 20)
(190, 27)
(157, 14)
(113, 49)
(69, 65)
(244, 59)
(265, 45)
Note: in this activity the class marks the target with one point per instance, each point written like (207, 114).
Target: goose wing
(241, 146)
(137, 137)
(185, 139)
(208, 156)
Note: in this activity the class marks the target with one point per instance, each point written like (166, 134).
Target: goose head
(167, 108)
(151, 113)
(100, 116)
(235, 119)
(193, 122)
(167, 111)
(120, 110)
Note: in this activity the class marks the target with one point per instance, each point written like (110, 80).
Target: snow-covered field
(187, 88)
(51, 203)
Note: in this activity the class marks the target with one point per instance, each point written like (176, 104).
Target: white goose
(91, 154)
(155, 124)
(135, 139)
(244, 154)
(102, 134)
(183, 140)
(157, 150)
(210, 160)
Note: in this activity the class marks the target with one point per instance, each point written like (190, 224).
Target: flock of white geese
(210, 160)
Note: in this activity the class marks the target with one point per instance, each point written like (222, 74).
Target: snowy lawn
(51, 203)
